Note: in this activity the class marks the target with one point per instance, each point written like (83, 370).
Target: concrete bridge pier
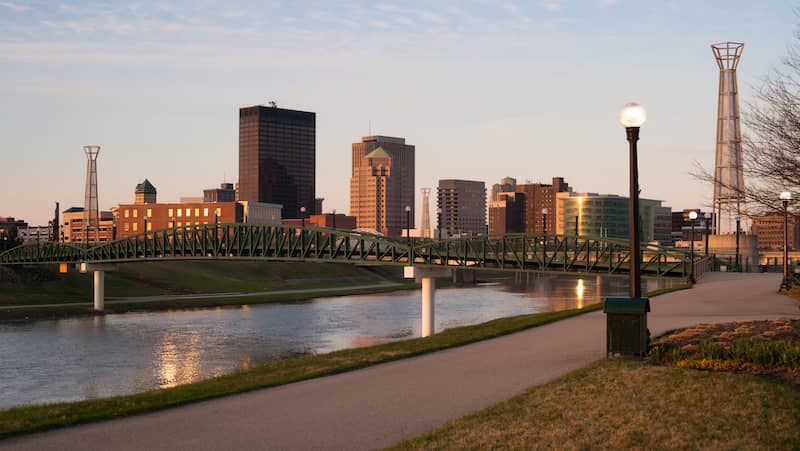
(99, 282)
(427, 276)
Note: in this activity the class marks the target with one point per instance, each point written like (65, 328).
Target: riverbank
(45, 285)
(54, 311)
(31, 418)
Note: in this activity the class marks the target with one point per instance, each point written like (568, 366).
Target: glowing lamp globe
(692, 215)
(786, 195)
(632, 115)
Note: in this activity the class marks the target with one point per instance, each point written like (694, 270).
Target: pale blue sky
(484, 89)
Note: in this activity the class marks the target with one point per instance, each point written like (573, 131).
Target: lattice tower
(729, 191)
(426, 231)
(91, 212)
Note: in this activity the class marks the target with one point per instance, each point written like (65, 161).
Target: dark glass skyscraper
(277, 158)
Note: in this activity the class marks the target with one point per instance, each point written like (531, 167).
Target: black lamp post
(408, 224)
(173, 222)
(632, 116)
(113, 230)
(145, 225)
(707, 217)
(738, 232)
(785, 198)
(439, 222)
(692, 219)
(544, 222)
(302, 216)
(334, 219)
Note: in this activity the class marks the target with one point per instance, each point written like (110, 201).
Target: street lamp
(439, 222)
(334, 219)
(173, 222)
(785, 198)
(692, 218)
(408, 224)
(113, 230)
(145, 225)
(632, 116)
(707, 217)
(544, 222)
(738, 232)
(302, 216)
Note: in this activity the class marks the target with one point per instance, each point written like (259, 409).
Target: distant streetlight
(544, 222)
(707, 217)
(334, 219)
(145, 225)
(738, 232)
(408, 224)
(439, 222)
(302, 216)
(632, 116)
(785, 198)
(692, 218)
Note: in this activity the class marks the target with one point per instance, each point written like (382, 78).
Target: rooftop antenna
(273, 104)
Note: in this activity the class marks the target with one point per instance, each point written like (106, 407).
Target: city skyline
(466, 82)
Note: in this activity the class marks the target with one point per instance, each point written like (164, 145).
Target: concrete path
(378, 406)
(175, 297)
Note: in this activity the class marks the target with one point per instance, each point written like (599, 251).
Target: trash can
(626, 325)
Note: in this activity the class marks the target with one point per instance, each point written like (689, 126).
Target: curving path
(378, 406)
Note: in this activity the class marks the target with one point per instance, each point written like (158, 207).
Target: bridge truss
(561, 253)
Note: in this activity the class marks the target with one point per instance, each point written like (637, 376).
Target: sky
(484, 89)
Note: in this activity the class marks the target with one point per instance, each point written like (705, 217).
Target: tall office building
(382, 184)
(277, 157)
(539, 196)
(506, 185)
(463, 207)
(507, 214)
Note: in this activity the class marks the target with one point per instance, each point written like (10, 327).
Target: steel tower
(91, 213)
(426, 214)
(729, 201)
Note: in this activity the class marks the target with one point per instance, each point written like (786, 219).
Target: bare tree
(771, 143)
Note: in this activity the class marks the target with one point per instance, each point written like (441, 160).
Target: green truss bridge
(288, 243)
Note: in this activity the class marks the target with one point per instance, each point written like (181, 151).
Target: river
(80, 358)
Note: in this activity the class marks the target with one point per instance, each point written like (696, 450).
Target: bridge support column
(99, 290)
(428, 278)
(99, 280)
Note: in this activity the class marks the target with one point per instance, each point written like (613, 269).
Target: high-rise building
(463, 207)
(507, 214)
(225, 193)
(73, 229)
(540, 196)
(607, 215)
(382, 184)
(506, 185)
(277, 157)
(145, 193)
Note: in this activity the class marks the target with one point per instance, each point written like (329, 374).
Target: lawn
(632, 405)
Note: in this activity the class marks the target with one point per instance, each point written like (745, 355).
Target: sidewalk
(378, 406)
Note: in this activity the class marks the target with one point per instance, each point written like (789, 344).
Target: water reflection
(49, 361)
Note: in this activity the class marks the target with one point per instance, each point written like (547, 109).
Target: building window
(135, 226)
(196, 212)
(135, 213)
(127, 227)
(180, 213)
(205, 212)
(218, 212)
(169, 212)
(149, 226)
(188, 212)
(149, 212)
(127, 212)
(180, 223)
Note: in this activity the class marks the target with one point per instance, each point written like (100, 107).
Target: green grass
(631, 405)
(43, 285)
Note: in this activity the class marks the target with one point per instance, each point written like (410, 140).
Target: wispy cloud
(14, 6)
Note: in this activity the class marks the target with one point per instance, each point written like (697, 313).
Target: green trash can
(626, 325)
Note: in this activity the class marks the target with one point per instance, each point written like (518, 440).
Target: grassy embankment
(621, 405)
(43, 285)
(33, 418)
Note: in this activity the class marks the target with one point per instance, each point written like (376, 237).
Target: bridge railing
(568, 253)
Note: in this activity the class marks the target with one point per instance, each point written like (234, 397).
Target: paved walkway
(176, 297)
(378, 406)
